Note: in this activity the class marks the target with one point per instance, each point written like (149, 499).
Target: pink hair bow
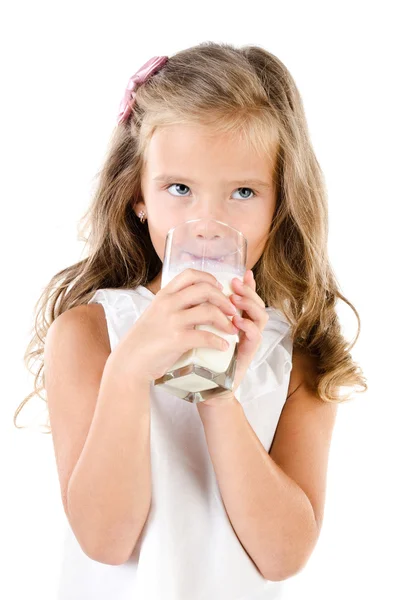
(149, 68)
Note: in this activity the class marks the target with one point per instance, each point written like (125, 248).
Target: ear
(139, 205)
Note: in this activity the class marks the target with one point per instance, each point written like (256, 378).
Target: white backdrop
(65, 66)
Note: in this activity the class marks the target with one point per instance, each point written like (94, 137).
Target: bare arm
(275, 500)
(100, 420)
(270, 513)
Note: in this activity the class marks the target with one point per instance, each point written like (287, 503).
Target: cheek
(256, 246)
(158, 239)
(158, 232)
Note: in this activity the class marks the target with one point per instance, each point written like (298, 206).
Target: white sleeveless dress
(188, 549)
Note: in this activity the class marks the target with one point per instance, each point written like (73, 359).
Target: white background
(65, 66)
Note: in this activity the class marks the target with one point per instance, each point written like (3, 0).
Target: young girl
(223, 499)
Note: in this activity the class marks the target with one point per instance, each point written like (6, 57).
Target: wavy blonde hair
(245, 91)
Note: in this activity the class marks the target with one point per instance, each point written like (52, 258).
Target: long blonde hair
(247, 91)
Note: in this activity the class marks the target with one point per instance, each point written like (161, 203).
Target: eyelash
(240, 188)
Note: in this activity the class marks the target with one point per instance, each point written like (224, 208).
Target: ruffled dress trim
(269, 367)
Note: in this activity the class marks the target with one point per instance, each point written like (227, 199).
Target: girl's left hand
(251, 324)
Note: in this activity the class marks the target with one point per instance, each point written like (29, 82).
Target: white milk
(215, 360)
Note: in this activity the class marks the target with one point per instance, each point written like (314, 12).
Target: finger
(188, 277)
(252, 281)
(201, 293)
(207, 314)
(256, 312)
(252, 332)
(247, 288)
(249, 280)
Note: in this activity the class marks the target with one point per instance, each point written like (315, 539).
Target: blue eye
(178, 184)
(246, 188)
(187, 188)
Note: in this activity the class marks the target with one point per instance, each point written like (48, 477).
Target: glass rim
(214, 221)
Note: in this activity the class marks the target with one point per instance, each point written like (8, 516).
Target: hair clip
(147, 70)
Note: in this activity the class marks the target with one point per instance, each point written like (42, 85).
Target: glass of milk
(215, 247)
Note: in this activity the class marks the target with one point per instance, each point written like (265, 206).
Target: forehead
(198, 147)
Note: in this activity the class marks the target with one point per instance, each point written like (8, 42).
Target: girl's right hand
(166, 329)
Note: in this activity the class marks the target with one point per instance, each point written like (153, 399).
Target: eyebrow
(163, 178)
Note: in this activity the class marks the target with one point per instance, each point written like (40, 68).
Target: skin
(275, 501)
(212, 176)
(205, 166)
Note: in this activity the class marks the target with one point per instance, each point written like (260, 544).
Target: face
(192, 174)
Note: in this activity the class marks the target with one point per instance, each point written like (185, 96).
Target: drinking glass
(215, 247)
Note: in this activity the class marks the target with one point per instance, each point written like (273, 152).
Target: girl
(223, 499)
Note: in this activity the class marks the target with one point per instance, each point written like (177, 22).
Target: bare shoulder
(84, 320)
(75, 353)
(304, 372)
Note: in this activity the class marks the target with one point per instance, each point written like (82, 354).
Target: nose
(209, 229)
(207, 237)
(210, 237)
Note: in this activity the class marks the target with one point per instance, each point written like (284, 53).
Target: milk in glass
(213, 359)
(217, 248)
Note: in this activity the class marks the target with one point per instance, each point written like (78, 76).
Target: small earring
(142, 216)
